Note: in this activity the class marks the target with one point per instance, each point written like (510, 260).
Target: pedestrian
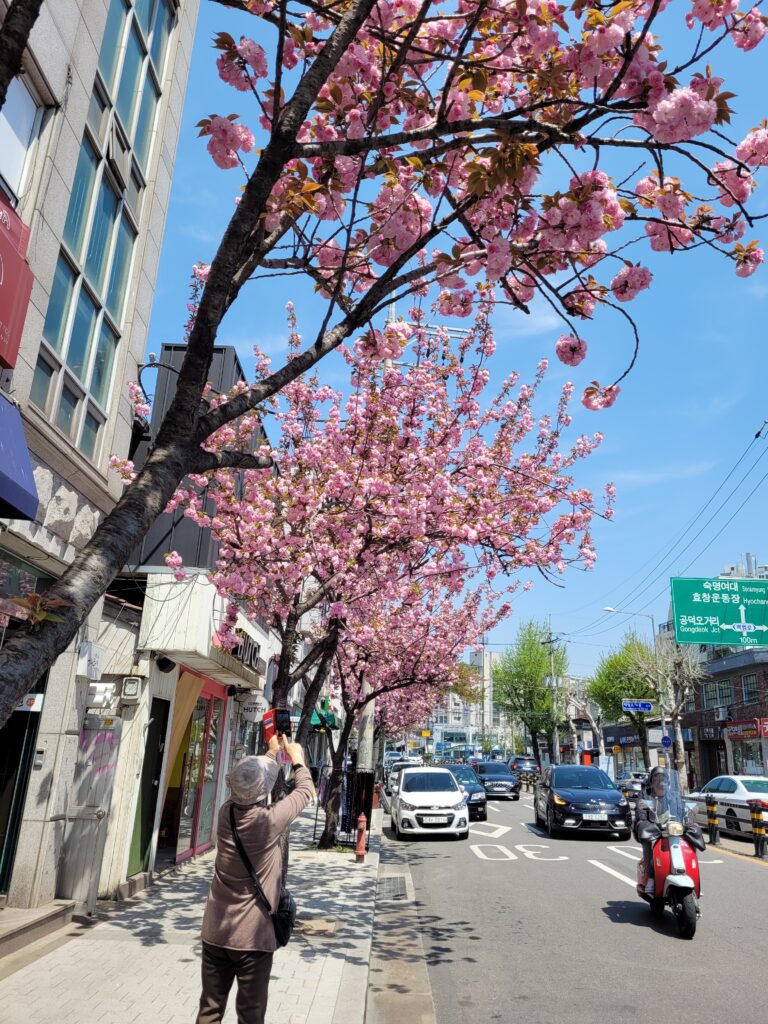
(238, 935)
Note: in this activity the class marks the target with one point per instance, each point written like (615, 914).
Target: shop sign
(709, 732)
(248, 652)
(15, 284)
(253, 708)
(30, 702)
(750, 729)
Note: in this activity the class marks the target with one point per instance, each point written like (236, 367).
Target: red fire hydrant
(362, 825)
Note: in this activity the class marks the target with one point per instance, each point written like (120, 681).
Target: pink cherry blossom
(630, 281)
(753, 149)
(570, 349)
(226, 138)
(596, 397)
(682, 114)
(748, 259)
(750, 30)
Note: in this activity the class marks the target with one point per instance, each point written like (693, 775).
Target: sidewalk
(141, 961)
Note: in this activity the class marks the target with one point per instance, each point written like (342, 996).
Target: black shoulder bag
(284, 918)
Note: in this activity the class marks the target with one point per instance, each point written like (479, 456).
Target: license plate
(595, 817)
(432, 820)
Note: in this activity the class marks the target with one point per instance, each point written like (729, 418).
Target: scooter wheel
(687, 915)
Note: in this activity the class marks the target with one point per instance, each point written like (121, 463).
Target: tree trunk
(679, 755)
(315, 687)
(574, 741)
(14, 36)
(333, 803)
(534, 743)
(642, 732)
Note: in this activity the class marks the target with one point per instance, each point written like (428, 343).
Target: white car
(732, 793)
(428, 801)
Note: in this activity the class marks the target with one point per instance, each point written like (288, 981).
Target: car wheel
(536, 816)
(516, 796)
(732, 822)
(624, 836)
(552, 830)
(463, 835)
(398, 834)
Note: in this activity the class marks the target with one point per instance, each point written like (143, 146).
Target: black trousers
(220, 967)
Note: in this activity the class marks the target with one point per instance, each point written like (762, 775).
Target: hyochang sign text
(727, 612)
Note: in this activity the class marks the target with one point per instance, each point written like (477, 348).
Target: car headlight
(623, 803)
(461, 804)
(559, 800)
(477, 796)
(406, 806)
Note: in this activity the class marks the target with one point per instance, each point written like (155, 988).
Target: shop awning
(18, 493)
(327, 721)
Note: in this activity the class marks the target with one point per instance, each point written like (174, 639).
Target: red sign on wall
(15, 283)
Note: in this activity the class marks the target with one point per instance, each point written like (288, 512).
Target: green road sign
(729, 612)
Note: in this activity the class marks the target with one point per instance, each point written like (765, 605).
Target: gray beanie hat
(252, 779)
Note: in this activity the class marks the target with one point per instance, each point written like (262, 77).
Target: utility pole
(553, 682)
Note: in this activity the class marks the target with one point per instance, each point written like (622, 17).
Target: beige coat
(234, 916)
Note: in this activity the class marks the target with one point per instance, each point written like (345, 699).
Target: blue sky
(686, 414)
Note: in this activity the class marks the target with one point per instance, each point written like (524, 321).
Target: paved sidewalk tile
(141, 961)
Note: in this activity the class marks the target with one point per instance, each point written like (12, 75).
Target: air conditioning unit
(721, 714)
(130, 690)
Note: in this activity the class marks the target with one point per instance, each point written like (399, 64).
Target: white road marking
(525, 849)
(478, 852)
(492, 807)
(528, 806)
(616, 874)
(624, 853)
(533, 828)
(496, 831)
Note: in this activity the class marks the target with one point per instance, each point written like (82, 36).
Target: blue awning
(18, 494)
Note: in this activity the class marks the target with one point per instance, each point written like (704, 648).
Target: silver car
(732, 793)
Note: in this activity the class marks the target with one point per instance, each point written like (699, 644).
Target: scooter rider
(661, 803)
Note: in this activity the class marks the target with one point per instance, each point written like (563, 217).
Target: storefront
(18, 579)
(195, 758)
(713, 758)
(747, 740)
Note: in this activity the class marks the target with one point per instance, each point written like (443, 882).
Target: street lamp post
(647, 615)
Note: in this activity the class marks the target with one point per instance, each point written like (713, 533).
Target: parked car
(732, 793)
(428, 801)
(523, 763)
(498, 780)
(581, 798)
(631, 783)
(391, 771)
(473, 790)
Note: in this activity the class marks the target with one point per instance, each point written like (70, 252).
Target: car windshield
(429, 782)
(755, 785)
(590, 778)
(494, 768)
(463, 773)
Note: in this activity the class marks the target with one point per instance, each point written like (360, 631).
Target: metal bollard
(758, 826)
(714, 830)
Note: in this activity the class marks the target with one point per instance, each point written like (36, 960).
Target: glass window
(17, 125)
(82, 334)
(110, 44)
(129, 80)
(146, 122)
(164, 18)
(756, 785)
(77, 214)
(67, 416)
(121, 265)
(710, 695)
(58, 305)
(724, 692)
(749, 689)
(90, 435)
(97, 114)
(133, 195)
(143, 10)
(713, 786)
(727, 786)
(41, 384)
(101, 377)
(104, 218)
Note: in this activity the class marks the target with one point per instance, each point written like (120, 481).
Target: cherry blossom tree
(395, 148)
(14, 33)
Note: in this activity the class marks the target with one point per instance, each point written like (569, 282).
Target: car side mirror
(462, 788)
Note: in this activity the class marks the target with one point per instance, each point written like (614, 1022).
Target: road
(519, 927)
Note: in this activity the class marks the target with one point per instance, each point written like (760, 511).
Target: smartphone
(283, 721)
(268, 725)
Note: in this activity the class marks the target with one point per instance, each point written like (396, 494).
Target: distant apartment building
(88, 140)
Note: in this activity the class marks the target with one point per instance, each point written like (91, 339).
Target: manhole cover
(392, 887)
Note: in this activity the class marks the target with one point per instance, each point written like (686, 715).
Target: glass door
(190, 784)
(210, 777)
(200, 773)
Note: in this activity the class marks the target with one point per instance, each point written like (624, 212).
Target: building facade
(88, 138)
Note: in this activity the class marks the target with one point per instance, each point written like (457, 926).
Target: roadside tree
(520, 682)
(402, 147)
(617, 678)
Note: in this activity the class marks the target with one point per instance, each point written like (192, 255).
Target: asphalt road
(519, 927)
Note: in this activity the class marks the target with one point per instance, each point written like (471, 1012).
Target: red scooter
(675, 860)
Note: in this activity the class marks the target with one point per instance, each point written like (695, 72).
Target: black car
(477, 802)
(575, 797)
(523, 763)
(498, 780)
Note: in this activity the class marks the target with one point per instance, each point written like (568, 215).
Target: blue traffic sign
(666, 741)
(646, 706)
